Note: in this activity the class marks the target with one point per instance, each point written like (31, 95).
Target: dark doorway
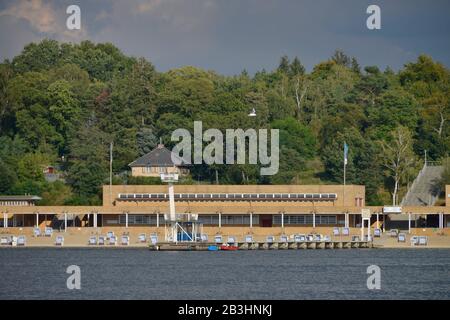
(266, 221)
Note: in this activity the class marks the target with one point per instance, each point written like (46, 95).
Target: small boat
(228, 247)
(213, 248)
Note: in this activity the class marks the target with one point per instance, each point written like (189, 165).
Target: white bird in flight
(253, 113)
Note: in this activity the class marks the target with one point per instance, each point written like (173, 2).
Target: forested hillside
(62, 104)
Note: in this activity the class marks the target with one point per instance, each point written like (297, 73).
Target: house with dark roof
(158, 161)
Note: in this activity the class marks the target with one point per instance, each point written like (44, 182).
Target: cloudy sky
(230, 35)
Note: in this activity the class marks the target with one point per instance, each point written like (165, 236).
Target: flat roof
(20, 198)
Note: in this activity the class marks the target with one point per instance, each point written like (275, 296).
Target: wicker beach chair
(36, 232)
(142, 238)
(249, 238)
(377, 233)
(218, 239)
(345, 231)
(336, 231)
(231, 240)
(48, 231)
(101, 241)
(125, 240)
(270, 239)
(204, 237)
(21, 240)
(4, 241)
(59, 241)
(112, 241)
(283, 238)
(92, 240)
(154, 238)
(423, 240)
(401, 237)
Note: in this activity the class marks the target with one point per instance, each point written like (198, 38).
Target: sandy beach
(79, 237)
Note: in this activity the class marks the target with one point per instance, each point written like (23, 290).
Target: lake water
(30, 273)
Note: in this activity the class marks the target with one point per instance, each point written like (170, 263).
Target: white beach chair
(59, 241)
(21, 240)
(270, 239)
(112, 240)
(423, 240)
(218, 239)
(154, 238)
(393, 233)
(231, 240)
(109, 235)
(345, 231)
(142, 238)
(336, 231)
(48, 231)
(401, 237)
(355, 239)
(92, 240)
(4, 241)
(326, 239)
(101, 241)
(317, 238)
(414, 240)
(249, 238)
(299, 238)
(37, 232)
(125, 240)
(377, 233)
(283, 238)
(204, 237)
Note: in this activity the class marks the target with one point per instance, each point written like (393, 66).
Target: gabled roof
(158, 157)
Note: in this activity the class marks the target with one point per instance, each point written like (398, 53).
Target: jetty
(204, 246)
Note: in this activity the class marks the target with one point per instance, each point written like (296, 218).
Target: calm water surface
(304, 274)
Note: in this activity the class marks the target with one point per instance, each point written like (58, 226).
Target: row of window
(15, 203)
(232, 196)
(305, 219)
(233, 219)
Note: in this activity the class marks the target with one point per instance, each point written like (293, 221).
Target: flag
(345, 153)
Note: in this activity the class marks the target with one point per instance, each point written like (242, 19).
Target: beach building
(266, 209)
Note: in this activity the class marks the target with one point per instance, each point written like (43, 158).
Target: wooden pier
(203, 246)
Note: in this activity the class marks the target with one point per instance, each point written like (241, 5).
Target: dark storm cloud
(228, 36)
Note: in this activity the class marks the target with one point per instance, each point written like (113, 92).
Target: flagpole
(110, 171)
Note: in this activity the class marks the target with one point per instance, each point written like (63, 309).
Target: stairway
(425, 188)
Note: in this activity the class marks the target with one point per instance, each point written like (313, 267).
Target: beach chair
(125, 240)
(317, 238)
(101, 241)
(48, 231)
(414, 240)
(345, 231)
(218, 239)
(112, 240)
(401, 237)
(4, 241)
(336, 231)
(310, 237)
(109, 235)
(142, 238)
(355, 239)
(270, 239)
(59, 241)
(283, 238)
(393, 233)
(21, 240)
(231, 240)
(423, 240)
(299, 238)
(154, 238)
(204, 237)
(249, 238)
(37, 232)
(326, 239)
(93, 240)
(377, 233)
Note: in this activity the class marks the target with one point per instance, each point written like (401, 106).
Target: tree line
(62, 104)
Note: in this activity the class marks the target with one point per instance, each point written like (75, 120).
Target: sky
(229, 36)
